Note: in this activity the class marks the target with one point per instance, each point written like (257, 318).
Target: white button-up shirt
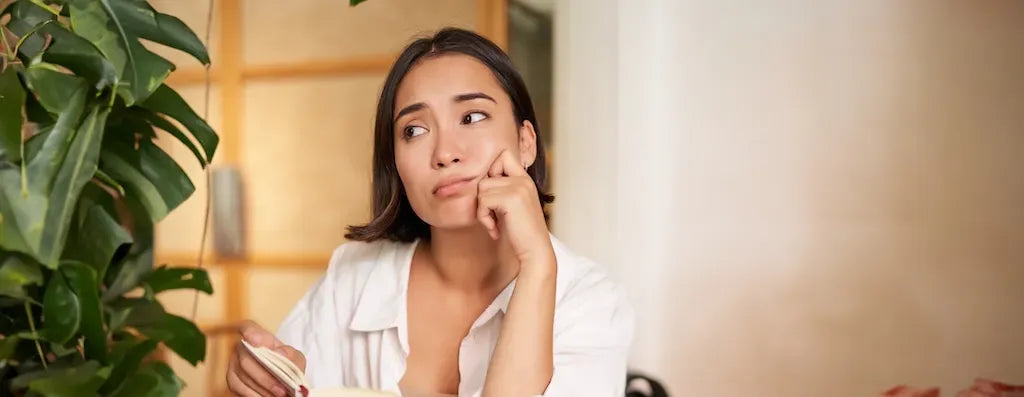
(351, 325)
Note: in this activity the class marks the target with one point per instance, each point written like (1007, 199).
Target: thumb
(294, 355)
(257, 335)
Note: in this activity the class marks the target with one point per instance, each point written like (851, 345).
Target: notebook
(295, 381)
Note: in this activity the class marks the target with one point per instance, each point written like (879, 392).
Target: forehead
(440, 78)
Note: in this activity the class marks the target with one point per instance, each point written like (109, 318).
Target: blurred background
(802, 198)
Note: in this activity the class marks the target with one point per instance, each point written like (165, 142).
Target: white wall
(803, 198)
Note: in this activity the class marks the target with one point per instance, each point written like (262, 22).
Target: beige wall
(808, 198)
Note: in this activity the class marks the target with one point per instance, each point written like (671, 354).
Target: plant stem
(29, 34)
(24, 176)
(45, 7)
(3, 40)
(35, 335)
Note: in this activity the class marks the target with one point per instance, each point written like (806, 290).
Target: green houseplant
(81, 185)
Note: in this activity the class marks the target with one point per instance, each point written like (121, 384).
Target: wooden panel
(210, 374)
(310, 261)
(193, 13)
(307, 162)
(180, 231)
(274, 291)
(368, 64)
(330, 29)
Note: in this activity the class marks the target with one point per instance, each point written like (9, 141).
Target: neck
(468, 259)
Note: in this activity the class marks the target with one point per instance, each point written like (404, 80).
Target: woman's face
(452, 119)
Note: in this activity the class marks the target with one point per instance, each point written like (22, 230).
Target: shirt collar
(382, 303)
(382, 300)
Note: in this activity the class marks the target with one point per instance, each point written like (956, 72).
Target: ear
(527, 143)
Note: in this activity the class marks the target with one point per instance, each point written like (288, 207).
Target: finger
(487, 185)
(996, 386)
(294, 355)
(486, 217)
(932, 392)
(986, 386)
(237, 386)
(497, 168)
(975, 393)
(257, 335)
(895, 391)
(252, 373)
(506, 165)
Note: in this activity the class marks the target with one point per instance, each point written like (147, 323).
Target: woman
(455, 287)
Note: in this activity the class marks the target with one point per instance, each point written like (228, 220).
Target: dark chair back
(638, 385)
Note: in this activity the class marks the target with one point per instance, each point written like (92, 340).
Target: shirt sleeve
(593, 333)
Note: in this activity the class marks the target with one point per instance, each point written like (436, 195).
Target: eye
(474, 117)
(413, 131)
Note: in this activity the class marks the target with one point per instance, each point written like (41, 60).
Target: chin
(457, 213)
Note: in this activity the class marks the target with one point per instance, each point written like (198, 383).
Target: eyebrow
(458, 98)
(473, 95)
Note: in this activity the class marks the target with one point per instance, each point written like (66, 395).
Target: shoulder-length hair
(393, 216)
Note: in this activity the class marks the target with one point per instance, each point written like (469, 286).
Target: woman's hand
(522, 363)
(981, 388)
(246, 376)
(906, 391)
(989, 388)
(508, 208)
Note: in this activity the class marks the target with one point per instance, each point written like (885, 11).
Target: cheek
(486, 147)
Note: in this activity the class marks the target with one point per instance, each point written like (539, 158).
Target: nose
(447, 150)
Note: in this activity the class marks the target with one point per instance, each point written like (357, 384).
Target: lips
(452, 186)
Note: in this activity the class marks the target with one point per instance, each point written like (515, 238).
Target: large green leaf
(140, 70)
(77, 169)
(179, 334)
(154, 379)
(150, 176)
(12, 98)
(11, 235)
(78, 380)
(166, 101)
(80, 56)
(24, 17)
(15, 274)
(173, 183)
(127, 275)
(140, 19)
(97, 237)
(168, 278)
(98, 240)
(37, 113)
(61, 310)
(94, 195)
(52, 87)
(8, 347)
(67, 156)
(165, 125)
(35, 143)
(82, 279)
(127, 364)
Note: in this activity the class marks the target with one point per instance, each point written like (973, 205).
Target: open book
(295, 381)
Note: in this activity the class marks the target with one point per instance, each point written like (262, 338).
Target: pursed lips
(451, 186)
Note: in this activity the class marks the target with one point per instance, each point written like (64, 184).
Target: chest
(438, 327)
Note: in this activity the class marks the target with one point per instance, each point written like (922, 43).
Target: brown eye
(474, 117)
(413, 131)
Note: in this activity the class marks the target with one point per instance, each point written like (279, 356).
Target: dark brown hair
(393, 216)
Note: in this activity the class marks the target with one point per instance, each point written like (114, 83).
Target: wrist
(539, 269)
